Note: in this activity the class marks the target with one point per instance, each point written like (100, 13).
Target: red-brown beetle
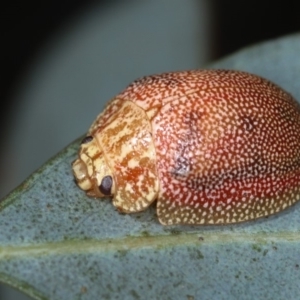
(211, 146)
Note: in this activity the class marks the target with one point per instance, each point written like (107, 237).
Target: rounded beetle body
(211, 146)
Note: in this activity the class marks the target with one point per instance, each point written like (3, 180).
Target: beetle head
(91, 170)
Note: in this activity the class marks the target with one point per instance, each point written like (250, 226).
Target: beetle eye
(105, 186)
(87, 139)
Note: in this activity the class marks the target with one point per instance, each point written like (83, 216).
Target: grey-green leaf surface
(56, 243)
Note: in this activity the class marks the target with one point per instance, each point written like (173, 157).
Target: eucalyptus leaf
(56, 243)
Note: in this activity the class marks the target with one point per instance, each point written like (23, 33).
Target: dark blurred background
(62, 60)
(27, 26)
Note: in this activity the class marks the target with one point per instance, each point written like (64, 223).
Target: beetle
(211, 146)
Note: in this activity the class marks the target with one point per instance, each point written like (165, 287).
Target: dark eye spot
(105, 186)
(87, 139)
